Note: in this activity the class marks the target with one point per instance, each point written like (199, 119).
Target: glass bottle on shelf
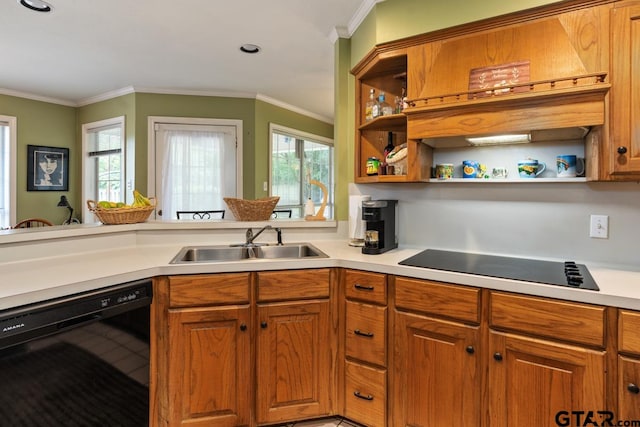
(398, 104)
(385, 108)
(372, 108)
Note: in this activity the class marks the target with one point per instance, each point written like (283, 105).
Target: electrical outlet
(265, 186)
(599, 227)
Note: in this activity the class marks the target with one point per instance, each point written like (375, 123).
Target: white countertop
(67, 261)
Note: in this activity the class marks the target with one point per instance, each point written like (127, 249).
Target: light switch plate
(599, 227)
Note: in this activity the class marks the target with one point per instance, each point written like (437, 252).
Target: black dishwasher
(81, 360)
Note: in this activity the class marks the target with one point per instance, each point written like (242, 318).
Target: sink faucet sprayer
(251, 237)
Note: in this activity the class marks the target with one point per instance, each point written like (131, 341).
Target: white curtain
(196, 171)
(5, 202)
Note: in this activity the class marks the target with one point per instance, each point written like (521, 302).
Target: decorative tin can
(373, 164)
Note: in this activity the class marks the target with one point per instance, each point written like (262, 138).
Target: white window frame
(298, 134)
(12, 123)
(152, 121)
(127, 164)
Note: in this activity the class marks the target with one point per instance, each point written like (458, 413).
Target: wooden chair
(280, 213)
(33, 223)
(200, 214)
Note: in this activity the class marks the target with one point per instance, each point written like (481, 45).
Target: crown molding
(365, 8)
(26, 95)
(130, 89)
(293, 108)
(105, 96)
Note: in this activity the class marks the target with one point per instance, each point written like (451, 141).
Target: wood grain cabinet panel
(531, 380)
(628, 389)
(366, 327)
(623, 150)
(208, 289)
(629, 332)
(293, 284)
(293, 361)
(554, 319)
(366, 394)
(209, 367)
(365, 286)
(440, 299)
(437, 373)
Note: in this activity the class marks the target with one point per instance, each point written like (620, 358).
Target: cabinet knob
(497, 356)
(622, 150)
(243, 327)
(470, 349)
(263, 324)
(633, 388)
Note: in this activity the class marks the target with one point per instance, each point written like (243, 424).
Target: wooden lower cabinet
(628, 366)
(533, 382)
(293, 361)
(209, 367)
(628, 389)
(437, 373)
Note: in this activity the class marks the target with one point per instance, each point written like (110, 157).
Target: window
(8, 163)
(104, 162)
(296, 159)
(194, 164)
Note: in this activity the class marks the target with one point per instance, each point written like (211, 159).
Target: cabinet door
(539, 383)
(628, 389)
(293, 361)
(436, 379)
(624, 150)
(209, 367)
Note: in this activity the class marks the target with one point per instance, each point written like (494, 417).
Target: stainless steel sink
(190, 254)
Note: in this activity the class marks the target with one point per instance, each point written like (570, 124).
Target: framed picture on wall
(47, 168)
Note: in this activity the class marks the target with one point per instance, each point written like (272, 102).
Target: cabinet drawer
(629, 331)
(370, 287)
(366, 337)
(365, 394)
(555, 319)
(441, 299)
(293, 284)
(208, 289)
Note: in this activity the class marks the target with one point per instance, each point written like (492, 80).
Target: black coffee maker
(381, 226)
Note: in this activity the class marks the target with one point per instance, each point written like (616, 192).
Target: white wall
(542, 220)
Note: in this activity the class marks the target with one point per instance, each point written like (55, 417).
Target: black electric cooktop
(557, 273)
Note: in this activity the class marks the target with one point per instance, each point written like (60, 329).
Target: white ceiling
(86, 49)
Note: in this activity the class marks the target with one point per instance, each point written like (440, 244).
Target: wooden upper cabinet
(549, 72)
(623, 151)
(385, 70)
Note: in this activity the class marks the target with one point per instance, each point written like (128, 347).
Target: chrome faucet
(251, 237)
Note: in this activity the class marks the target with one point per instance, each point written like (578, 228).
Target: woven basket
(252, 210)
(121, 215)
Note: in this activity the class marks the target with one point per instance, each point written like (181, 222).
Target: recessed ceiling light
(250, 48)
(37, 5)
